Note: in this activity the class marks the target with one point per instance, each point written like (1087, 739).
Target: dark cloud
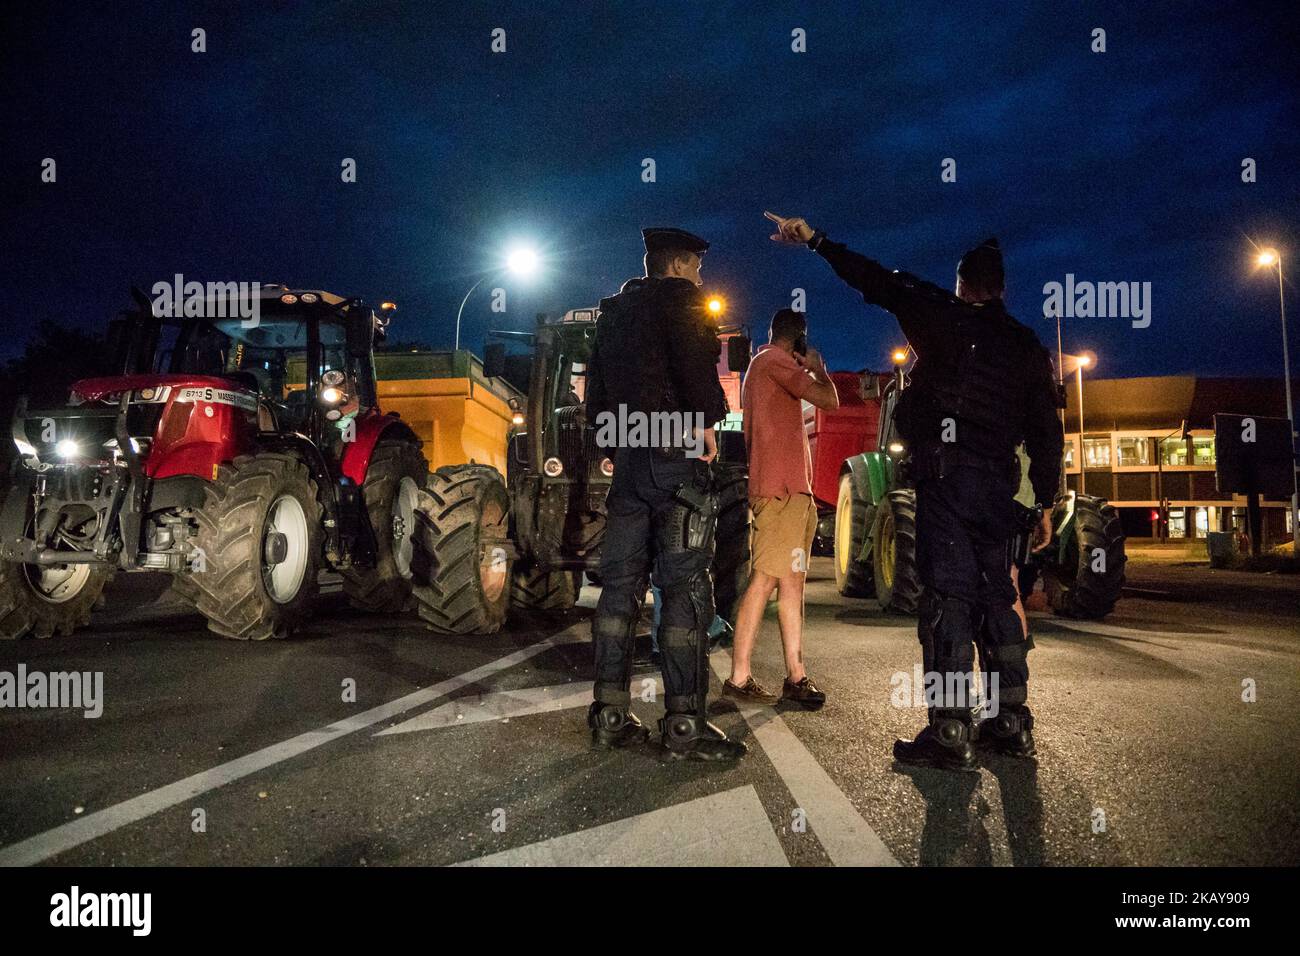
(1119, 166)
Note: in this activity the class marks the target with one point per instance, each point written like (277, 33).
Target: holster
(692, 522)
(1019, 547)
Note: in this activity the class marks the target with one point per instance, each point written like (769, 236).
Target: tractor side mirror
(738, 353)
(870, 388)
(494, 360)
(361, 333)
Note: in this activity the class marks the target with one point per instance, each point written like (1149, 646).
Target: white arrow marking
(723, 829)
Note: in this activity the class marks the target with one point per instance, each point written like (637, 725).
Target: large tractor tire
(898, 580)
(44, 600)
(731, 554)
(462, 559)
(1089, 577)
(260, 536)
(533, 591)
(391, 492)
(853, 576)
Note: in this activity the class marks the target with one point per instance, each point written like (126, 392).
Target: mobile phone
(801, 344)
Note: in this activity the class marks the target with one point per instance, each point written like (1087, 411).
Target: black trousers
(965, 521)
(639, 507)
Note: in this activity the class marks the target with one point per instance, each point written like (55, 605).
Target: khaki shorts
(783, 533)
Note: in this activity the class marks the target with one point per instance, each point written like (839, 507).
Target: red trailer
(837, 435)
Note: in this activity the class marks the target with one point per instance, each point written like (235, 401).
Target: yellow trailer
(460, 415)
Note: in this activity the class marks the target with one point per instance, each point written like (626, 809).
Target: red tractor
(240, 456)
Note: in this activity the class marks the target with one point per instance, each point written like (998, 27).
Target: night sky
(225, 165)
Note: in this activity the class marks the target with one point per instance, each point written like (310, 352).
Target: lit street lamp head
(522, 261)
(1267, 257)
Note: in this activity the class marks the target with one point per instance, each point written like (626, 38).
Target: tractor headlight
(896, 449)
(332, 395)
(607, 467)
(332, 376)
(67, 448)
(553, 468)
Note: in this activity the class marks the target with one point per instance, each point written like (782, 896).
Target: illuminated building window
(1173, 451)
(1096, 452)
(1132, 451)
(1203, 451)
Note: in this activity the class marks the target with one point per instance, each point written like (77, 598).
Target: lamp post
(1084, 361)
(521, 261)
(1269, 258)
(1080, 362)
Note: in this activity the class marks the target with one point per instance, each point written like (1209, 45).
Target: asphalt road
(475, 750)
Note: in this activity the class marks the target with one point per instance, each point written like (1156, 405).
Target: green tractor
(558, 476)
(875, 530)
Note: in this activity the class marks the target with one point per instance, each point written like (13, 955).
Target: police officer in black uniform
(656, 351)
(982, 383)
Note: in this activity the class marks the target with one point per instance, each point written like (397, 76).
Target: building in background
(1133, 444)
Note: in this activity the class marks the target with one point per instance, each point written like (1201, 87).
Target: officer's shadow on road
(958, 814)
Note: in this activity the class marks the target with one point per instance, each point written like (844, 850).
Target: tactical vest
(633, 341)
(976, 379)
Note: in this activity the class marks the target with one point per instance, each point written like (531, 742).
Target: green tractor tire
(898, 580)
(1085, 577)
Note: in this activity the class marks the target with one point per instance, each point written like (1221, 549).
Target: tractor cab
(558, 476)
(303, 357)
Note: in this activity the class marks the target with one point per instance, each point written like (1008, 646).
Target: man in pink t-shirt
(783, 375)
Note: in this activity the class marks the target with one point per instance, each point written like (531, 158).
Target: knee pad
(672, 638)
(610, 627)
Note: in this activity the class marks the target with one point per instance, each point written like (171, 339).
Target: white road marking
(687, 834)
(847, 838)
(507, 703)
(43, 846)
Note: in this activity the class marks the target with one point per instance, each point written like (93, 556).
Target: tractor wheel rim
(57, 583)
(887, 549)
(844, 534)
(404, 505)
(284, 580)
(493, 568)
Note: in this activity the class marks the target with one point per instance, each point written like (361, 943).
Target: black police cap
(983, 264)
(661, 237)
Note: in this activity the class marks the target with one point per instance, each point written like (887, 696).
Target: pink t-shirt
(772, 398)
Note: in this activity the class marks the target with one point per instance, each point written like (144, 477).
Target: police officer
(981, 385)
(656, 352)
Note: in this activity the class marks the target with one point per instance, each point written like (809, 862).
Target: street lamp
(1080, 362)
(521, 261)
(1267, 259)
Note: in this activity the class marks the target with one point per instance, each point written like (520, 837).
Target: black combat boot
(688, 737)
(1010, 733)
(614, 726)
(945, 743)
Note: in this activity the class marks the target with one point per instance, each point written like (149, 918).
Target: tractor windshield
(271, 356)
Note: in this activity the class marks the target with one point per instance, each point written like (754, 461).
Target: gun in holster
(696, 511)
(1020, 547)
